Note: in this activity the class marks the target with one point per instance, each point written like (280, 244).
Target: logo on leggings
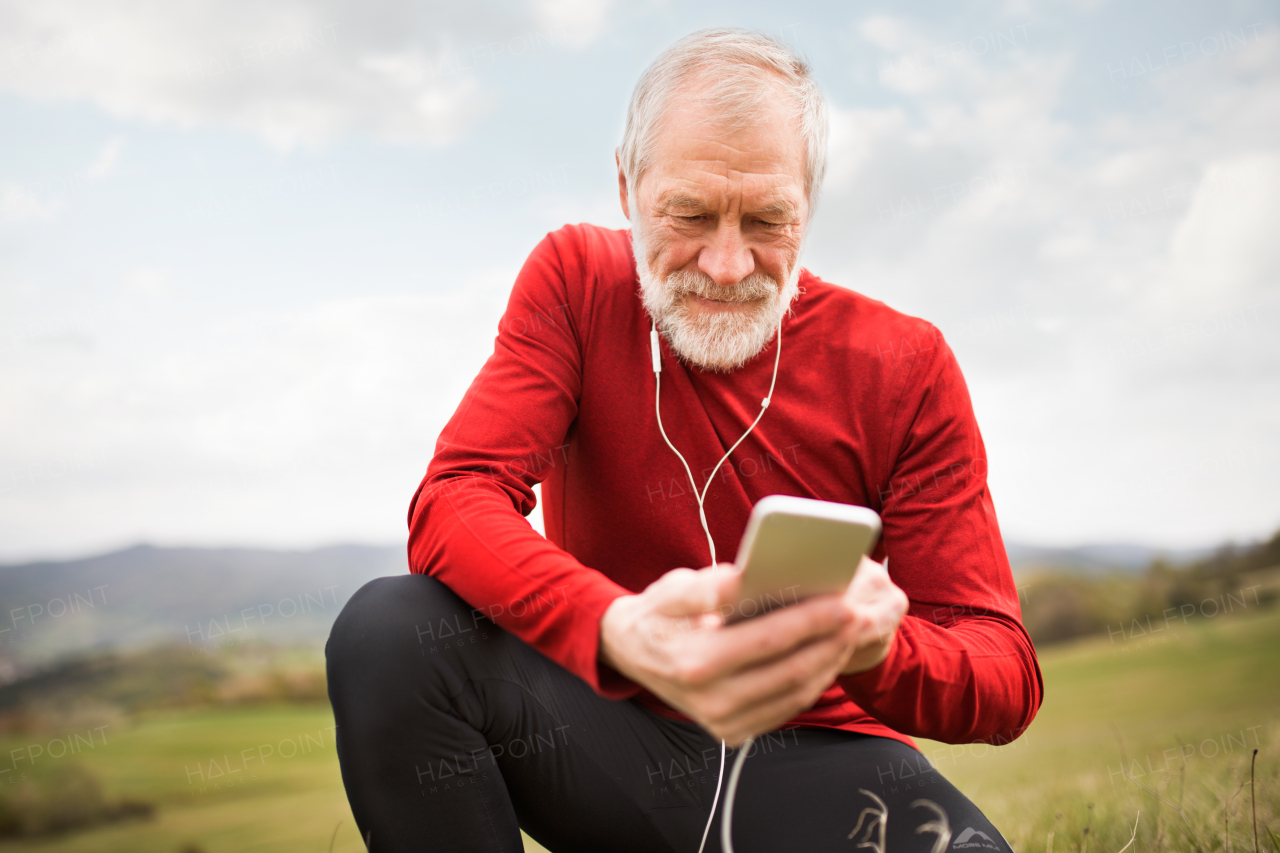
(969, 838)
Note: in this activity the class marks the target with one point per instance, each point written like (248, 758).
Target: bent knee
(389, 618)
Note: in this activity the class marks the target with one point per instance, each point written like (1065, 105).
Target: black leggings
(454, 734)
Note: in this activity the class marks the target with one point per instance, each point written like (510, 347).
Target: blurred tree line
(69, 798)
(1061, 605)
(114, 685)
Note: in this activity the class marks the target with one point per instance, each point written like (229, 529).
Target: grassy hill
(1179, 712)
(1188, 707)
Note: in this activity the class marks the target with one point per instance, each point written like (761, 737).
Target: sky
(252, 254)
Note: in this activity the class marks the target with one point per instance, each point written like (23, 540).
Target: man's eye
(699, 217)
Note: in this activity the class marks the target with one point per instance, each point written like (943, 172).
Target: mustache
(752, 288)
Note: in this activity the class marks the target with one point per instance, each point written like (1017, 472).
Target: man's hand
(878, 606)
(750, 677)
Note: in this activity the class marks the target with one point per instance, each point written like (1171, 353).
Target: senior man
(580, 685)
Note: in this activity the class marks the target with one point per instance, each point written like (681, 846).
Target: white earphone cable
(701, 495)
(726, 821)
(712, 814)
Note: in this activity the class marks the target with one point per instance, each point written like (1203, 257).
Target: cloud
(291, 72)
(884, 31)
(316, 410)
(146, 283)
(1095, 245)
(43, 200)
(20, 205)
(1106, 276)
(581, 21)
(1228, 235)
(972, 182)
(105, 163)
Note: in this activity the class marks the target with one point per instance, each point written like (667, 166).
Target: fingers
(870, 575)
(875, 582)
(774, 635)
(879, 606)
(762, 696)
(782, 676)
(754, 675)
(764, 699)
(875, 598)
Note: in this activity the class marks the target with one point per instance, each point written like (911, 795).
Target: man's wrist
(860, 663)
(609, 631)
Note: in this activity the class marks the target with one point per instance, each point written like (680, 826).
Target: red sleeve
(466, 522)
(962, 667)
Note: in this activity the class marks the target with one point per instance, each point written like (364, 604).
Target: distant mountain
(1096, 558)
(211, 597)
(195, 596)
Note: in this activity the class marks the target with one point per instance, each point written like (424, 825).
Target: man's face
(717, 222)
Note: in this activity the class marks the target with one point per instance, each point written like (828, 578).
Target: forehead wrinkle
(716, 176)
(717, 161)
(734, 191)
(707, 136)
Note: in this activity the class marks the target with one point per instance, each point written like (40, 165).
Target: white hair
(738, 68)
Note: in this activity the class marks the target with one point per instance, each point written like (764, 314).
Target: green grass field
(267, 778)
(1207, 692)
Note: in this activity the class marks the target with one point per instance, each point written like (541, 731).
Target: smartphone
(797, 547)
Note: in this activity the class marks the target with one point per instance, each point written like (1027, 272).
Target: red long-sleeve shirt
(870, 409)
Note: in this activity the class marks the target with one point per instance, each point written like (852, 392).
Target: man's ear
(622, 186)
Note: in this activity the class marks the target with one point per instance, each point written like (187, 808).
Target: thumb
(870, 575)
(725, 580)
(686, 592)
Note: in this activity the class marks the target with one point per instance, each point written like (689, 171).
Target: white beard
(719, 341)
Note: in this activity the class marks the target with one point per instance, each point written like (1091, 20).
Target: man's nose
(727, 259)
